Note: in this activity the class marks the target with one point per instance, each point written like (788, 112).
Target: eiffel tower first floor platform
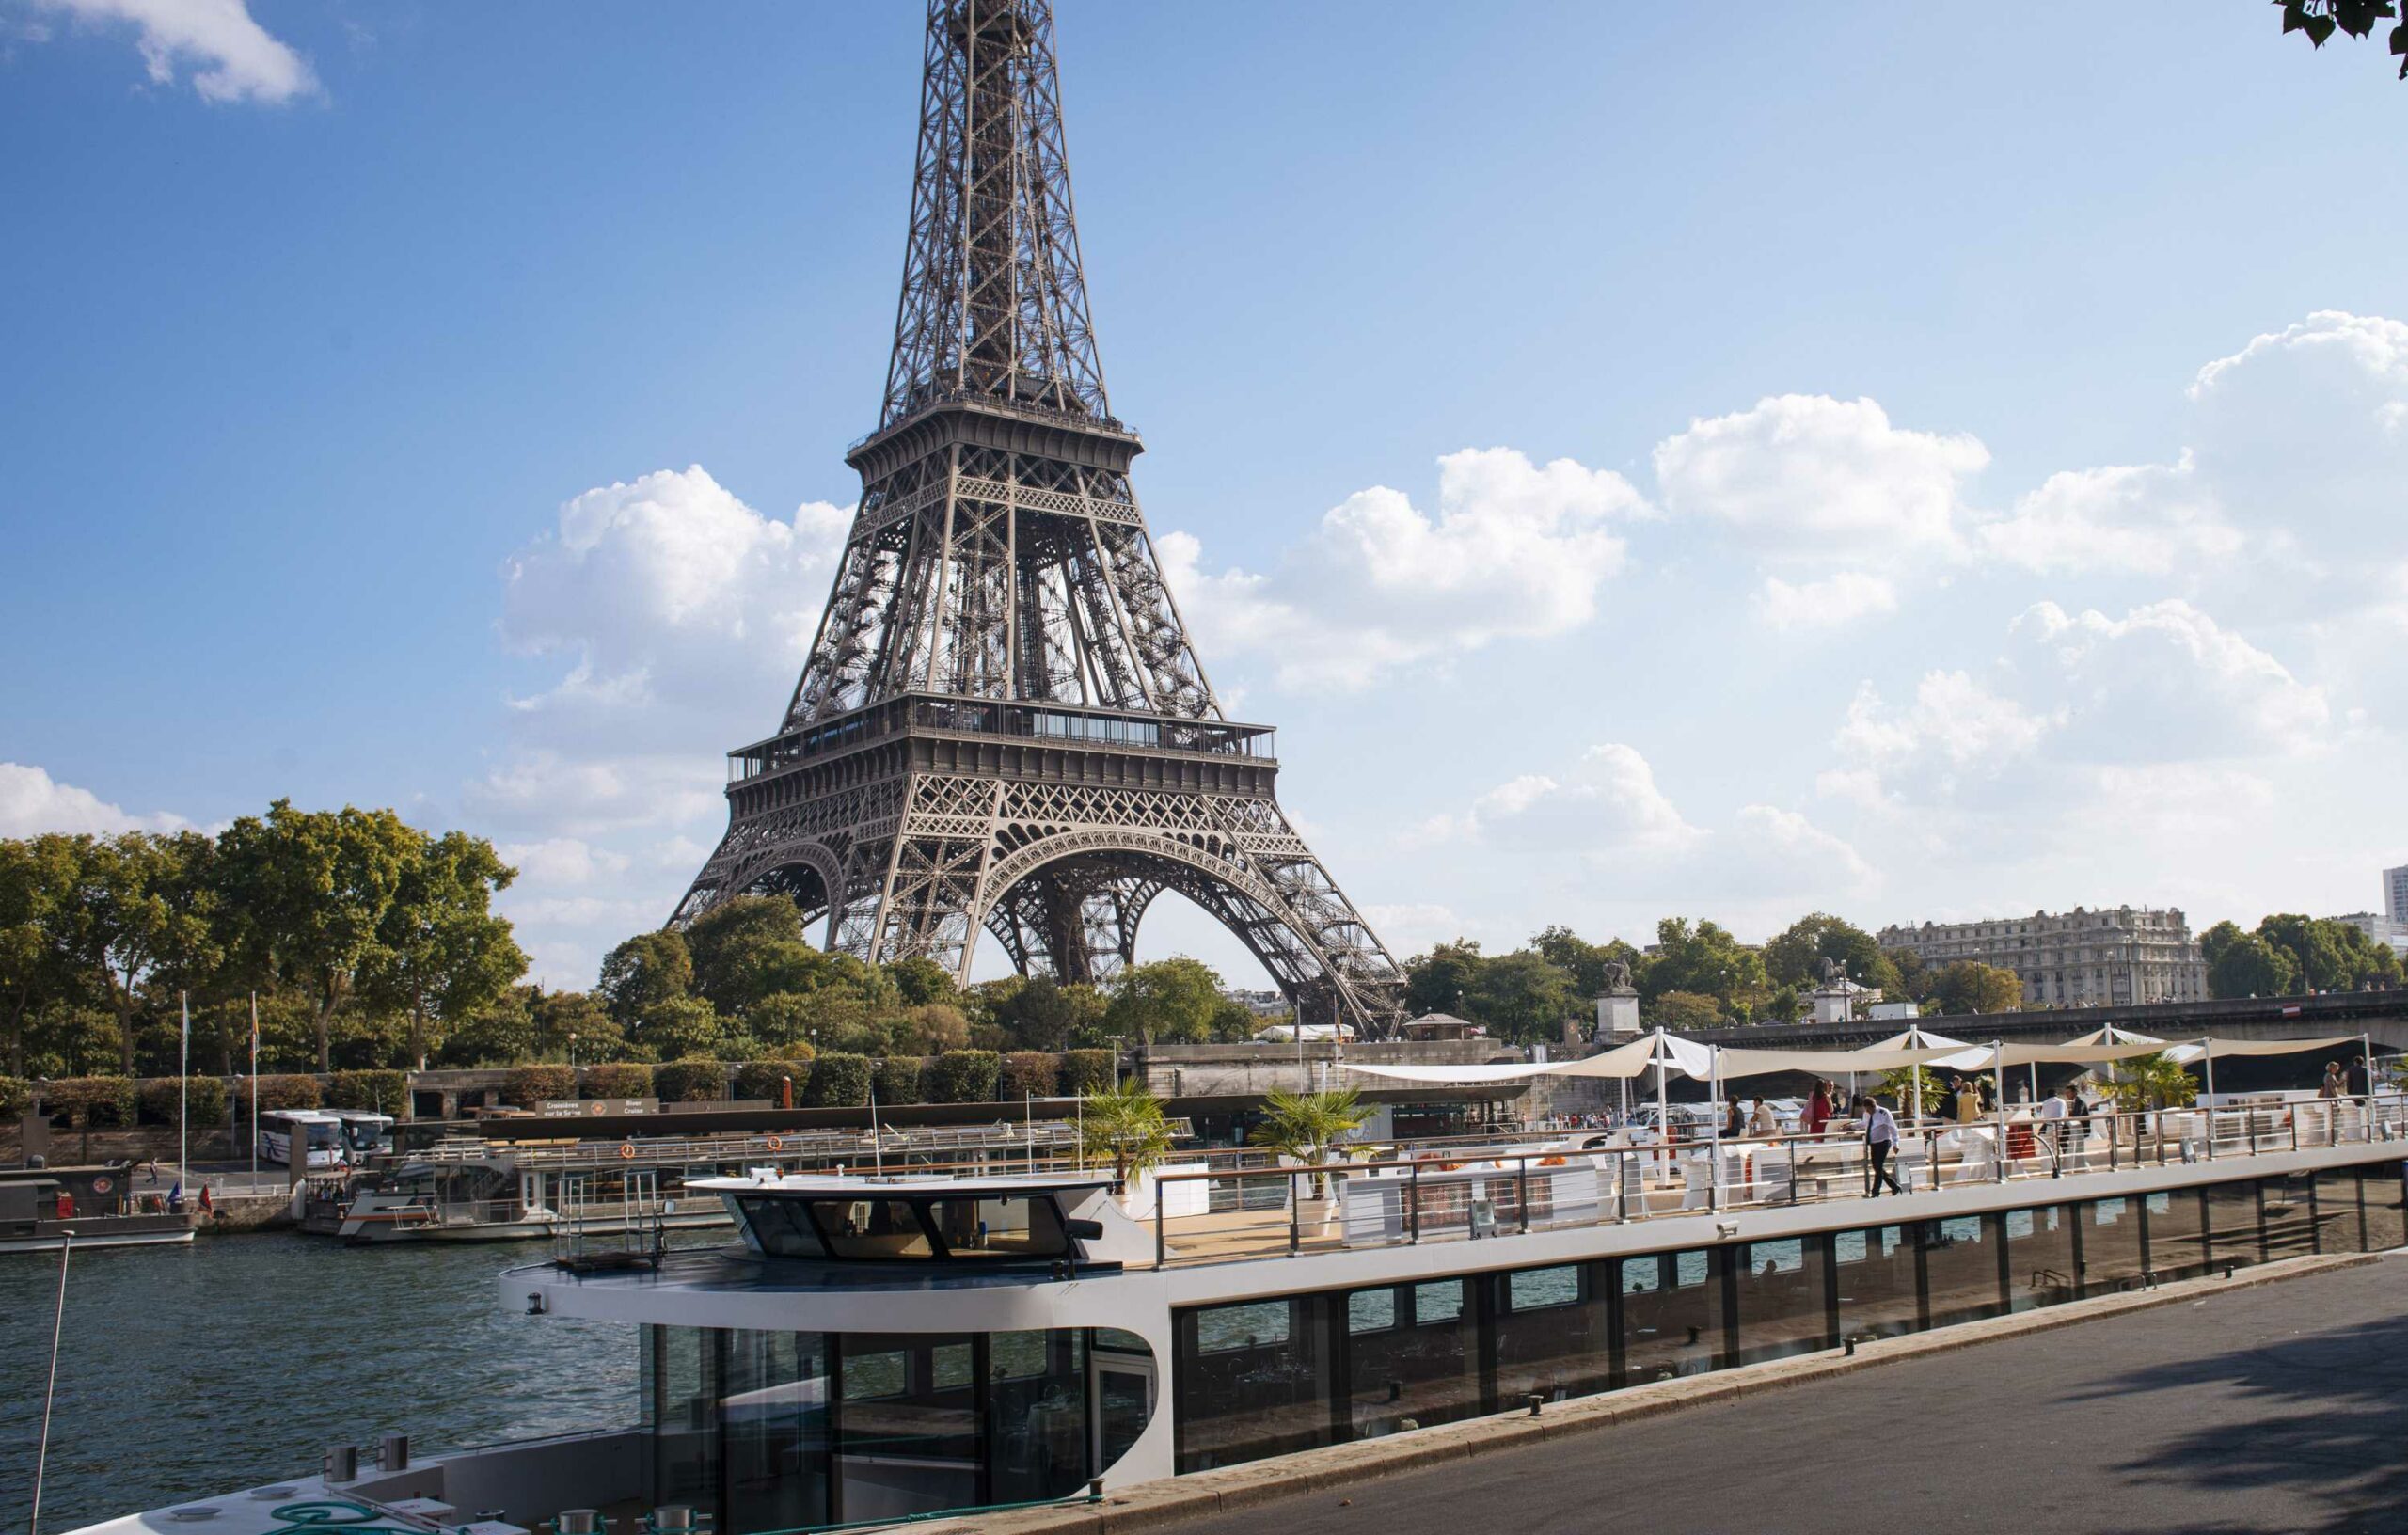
(911, 827)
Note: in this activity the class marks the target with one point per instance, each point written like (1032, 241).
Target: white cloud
(33, 802)
(669, 589)
(2167, 682)
(2372, 345)
(1954, 728)
(560, 860)
(1808, 477)
(561, 797)
(230, 56)
(1781, 850)
(1828, 603)
(2147, 519)
(1609, 805)
(1516, 550)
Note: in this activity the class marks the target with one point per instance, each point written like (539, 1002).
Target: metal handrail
(2058, 1147)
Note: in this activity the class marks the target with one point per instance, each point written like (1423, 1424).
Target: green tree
(2248, 966)
(1174, 1001)
(140, 909)
(1583, 962)
(575, 1024)
(1703, 958)
(644, 974)
(1915, 978)
(2216, 940)
(441, 954)
(1679, 1010)
(922, 981)
(501, 1033)
(1125, 1127)
(1794, 956)
(1307, 1126)
(1036, 1013)
(2149, 1082)
(313, 888)
(752, 947)
(1443, 979)
(1971, 987)
(1520, 997)
(39, 877)
(682, 1029)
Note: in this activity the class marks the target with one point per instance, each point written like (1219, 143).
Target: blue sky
(1901, 460)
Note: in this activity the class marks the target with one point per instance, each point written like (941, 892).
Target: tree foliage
(1174, 1001)
(2318, 20)
(1971, 987)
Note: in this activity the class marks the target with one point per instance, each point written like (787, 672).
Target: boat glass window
(1018, 1227)
(780, 1229)
(1370, 1310)
(872, 1229)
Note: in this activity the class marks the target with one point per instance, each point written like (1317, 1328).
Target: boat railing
(850, 1146)
(1475, 1192)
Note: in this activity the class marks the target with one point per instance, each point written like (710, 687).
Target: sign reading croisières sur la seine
(587, 1108)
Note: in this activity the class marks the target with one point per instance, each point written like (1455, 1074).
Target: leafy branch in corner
(2319, 19)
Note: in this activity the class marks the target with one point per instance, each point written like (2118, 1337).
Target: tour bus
(320, 1132)
(364, 1131)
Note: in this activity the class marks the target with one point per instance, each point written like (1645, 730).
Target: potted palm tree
(1124, 1126)
(1308, 1127)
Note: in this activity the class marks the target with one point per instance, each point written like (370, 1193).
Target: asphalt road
(2281, 1407)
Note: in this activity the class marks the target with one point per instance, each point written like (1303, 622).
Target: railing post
(1413, 1198)
(1295, 1213)
(1161, 1238)
(1792, 1144)
(1521, 1188)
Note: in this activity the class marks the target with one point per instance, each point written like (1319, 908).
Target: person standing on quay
(1880, 1139)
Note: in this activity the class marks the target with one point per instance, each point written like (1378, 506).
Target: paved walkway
(2280, 1407)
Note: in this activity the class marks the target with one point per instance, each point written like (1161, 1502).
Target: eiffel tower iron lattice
(1002, 723)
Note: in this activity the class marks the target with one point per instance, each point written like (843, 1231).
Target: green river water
(191, 1371)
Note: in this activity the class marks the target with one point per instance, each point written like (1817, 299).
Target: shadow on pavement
(2320, 1419)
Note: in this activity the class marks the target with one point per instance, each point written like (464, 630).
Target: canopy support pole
(1714, 1137)
(2208, 1062)
(1998, 1085)
(1663, 1107)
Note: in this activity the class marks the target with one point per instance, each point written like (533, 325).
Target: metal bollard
(672, 1519)
(1537, 1402)
(578, 1521)
(342, 1462)
(393, 1454)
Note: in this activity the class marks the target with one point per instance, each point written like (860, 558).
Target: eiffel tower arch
(1002, 727)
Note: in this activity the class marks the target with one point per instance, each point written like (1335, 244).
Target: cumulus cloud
(671, 589)
(2165, 681)
(1954, 727)
(230, 56)
(33, 802)
(1515, 550)
(2371, 346)
(560, 860)
(559, 796)
(1809, 476)
(2146, 519)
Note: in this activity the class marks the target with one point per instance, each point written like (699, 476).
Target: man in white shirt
(2052, 1130)
(1880, 1139)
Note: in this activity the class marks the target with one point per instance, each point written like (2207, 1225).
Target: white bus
(364, 1131)
(320, 1131)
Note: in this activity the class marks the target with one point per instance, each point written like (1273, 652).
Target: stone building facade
(2110, 956)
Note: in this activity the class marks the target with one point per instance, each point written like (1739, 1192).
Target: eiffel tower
(1002, 723)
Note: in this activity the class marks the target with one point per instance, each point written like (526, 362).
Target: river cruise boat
(878, 1348)
(40, 1207)
(479, 1191)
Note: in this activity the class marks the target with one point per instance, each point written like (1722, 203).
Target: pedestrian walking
(1969, 1102)
(1880, 1139)
(1818, 1108)
(2357, 1077)
(2332, 1085)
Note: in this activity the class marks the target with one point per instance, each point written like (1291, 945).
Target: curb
(1153, 1505)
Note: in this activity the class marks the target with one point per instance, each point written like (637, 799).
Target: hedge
(898, 1078)
(692, 1081)
(838, 1081)
(16, 1096)
(528, 1085)
(961, 1076)
(1029, 1073)
(1085, 1071)
(767, 1079)
(203, 1098)
(292, 1092)
(793, 1049)
(91, 1100)
(385, 1091)
(618, 1079)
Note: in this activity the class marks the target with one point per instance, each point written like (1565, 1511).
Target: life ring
(103, 1184)
(626, 1151)
(776, 1145)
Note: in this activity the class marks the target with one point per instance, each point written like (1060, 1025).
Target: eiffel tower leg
(919, 892)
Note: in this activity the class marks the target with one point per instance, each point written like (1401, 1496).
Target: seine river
(190, 1372)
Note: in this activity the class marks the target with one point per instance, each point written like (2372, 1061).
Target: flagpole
(183, 1092)
(255, 1091)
